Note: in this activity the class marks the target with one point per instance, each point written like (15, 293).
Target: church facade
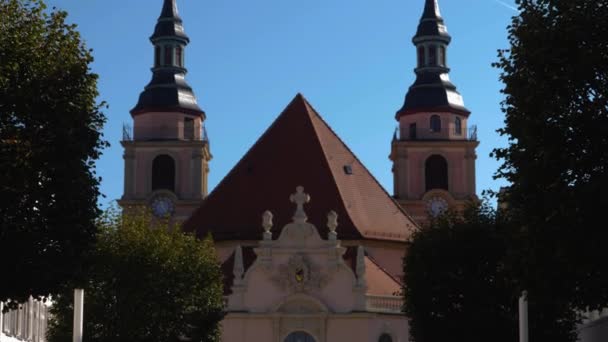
(315, 252)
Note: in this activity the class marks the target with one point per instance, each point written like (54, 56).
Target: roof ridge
(313, 111)
(395, 203)
(232, 170)
(309, 110)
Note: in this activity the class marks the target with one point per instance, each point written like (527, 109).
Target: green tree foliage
(456, 287)
(555, 77)
(50, 137)
(148, 282)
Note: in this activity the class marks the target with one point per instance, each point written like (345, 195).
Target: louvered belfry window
(163, 173)
(436, 173)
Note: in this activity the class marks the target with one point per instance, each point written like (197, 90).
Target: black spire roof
(169, 23)
(432, 91)
(168, 90)
(431, 24)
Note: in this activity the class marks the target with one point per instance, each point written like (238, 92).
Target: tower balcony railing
(384, 304)
(422, 133)
(177, 131)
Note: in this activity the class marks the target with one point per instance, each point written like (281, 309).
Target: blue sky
(352, 59)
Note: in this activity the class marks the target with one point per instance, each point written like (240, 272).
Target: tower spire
(432, 91)
(168, 90)
(431, 23)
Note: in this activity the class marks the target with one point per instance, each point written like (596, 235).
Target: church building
(315, 252)
(311, 245)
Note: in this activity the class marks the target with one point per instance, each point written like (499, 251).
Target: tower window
(432, 55)
(421, 56)
(168, 55)
(188, 128)
(436, 173)
(442, 55)
(156, 56)
(178, 56)
(413, 131)
(385, 338)
(163, 173)
(435, 123)
(458, 126)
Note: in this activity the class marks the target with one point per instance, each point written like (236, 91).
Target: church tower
(433, 152)
(167, 152)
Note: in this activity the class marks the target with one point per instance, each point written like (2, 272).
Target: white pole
(78, 311)
(523, 317)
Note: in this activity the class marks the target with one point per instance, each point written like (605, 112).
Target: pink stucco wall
(422, 121)
(163, 126)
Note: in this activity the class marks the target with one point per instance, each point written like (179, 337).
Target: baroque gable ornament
(299, 230)
(300, 275)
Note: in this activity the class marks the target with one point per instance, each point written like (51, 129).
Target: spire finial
(431, 10)
(431, 26)
(169, 9)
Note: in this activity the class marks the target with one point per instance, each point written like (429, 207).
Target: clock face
(437, 206)
(162, 206)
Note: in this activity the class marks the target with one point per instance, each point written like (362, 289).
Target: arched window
(432, 55)
(163, 173)
(168, 55)
(435, 123)
(385, 338)
(420, 56)
(436, 173)
(458, 126)
(442, 55)
(156, 56)
(178, 56)
(299, 336)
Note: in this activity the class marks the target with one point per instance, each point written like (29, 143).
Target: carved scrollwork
(300, 275)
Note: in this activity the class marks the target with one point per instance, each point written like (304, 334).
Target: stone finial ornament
(267, 224)
(300, 198)
(360, 266)
(332, 224)
(238, 269)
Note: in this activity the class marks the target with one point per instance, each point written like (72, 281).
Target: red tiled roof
(300, 148)
(379, 280)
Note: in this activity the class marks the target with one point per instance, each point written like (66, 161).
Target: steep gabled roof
(300, 148)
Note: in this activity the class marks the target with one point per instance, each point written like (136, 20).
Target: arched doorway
(299, 336)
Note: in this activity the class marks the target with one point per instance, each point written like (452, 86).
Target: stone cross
(300, 198)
